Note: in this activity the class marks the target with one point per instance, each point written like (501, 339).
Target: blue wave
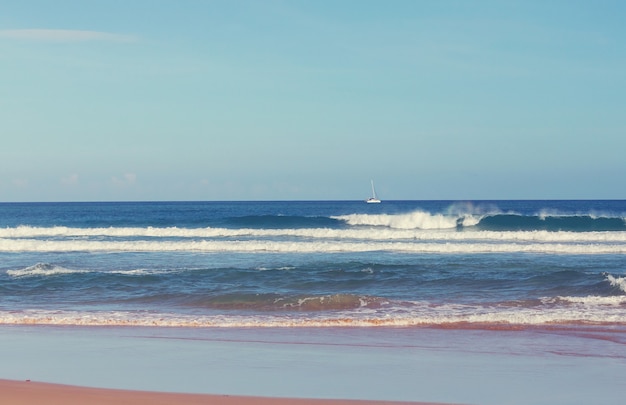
(333, 286)
(281, 222)
(574, 223)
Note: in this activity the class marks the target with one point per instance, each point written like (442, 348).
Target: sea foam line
(583, 313)
(384, 234)
(35, 245)
(47, 269)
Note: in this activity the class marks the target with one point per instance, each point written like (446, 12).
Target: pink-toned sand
(36, 393)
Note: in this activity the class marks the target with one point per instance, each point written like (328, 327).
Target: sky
(123, 100)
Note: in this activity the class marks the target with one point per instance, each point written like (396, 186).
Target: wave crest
(522, 244)
(42, 269)
(274, 302)
(412, 220)
(618, 282)
(597, 311)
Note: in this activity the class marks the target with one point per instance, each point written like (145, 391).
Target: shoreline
(35, 392)
(337, 366)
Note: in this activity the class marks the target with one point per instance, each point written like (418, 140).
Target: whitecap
(42, 269)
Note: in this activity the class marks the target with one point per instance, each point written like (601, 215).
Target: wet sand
(519, 366)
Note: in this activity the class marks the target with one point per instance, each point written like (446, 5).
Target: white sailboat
(373, 199)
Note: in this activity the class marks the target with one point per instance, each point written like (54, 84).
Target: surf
(572, 311)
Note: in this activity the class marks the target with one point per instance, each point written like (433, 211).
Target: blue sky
(298, 100)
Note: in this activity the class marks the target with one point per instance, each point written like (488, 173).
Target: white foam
(619, 282)
(122, 232)
(413, 220)
(42, 269)
(441, 246)
(139, 272)
(357, 239)
(413, 315)
(593, 214)
(591, 300)
(49, 270)
(317, 233)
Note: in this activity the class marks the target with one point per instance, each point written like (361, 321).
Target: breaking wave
(51, 270)
(617, 282)
(278, 302)
(352, 239)
(576, 310)
(42, 269)
(489, 221)
(413, 220)
(475, 242)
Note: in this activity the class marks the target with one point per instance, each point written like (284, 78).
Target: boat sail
(373, 199)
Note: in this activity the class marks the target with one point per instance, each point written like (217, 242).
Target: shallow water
(538, 366)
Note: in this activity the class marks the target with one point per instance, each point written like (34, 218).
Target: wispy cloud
(56, 35)
(128, 179)
(70, 180)
(20, 183)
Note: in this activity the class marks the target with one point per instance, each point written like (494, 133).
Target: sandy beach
(55, 365)
(30, 392)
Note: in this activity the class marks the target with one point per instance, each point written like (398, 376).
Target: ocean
(490, 302)
(305, 264)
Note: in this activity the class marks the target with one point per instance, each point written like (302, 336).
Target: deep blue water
(314, 263)
(581, 215)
